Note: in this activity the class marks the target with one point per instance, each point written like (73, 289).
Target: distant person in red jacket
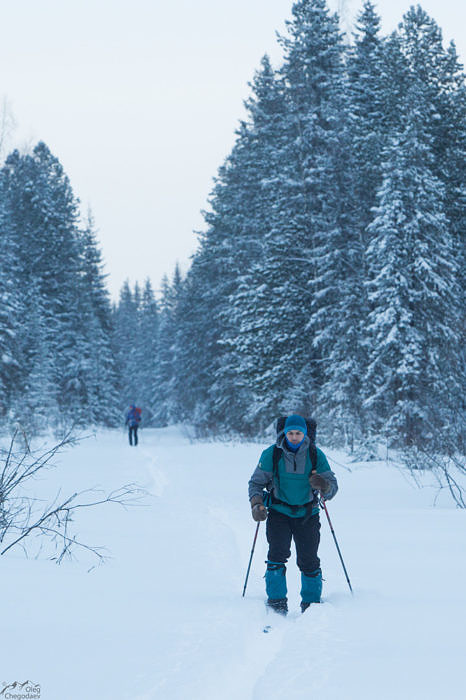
(133, 418)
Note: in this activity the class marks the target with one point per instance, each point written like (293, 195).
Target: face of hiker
(295, 436)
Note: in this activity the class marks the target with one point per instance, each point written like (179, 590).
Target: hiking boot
(304, 606)
(278, 605)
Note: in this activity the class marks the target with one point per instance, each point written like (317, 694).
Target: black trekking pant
(133, 430)
(305, 532)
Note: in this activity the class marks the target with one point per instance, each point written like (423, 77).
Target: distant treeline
(329, 278)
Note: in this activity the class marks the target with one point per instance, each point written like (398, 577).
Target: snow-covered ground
(164, 618)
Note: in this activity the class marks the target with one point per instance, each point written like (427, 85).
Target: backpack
(134, 416)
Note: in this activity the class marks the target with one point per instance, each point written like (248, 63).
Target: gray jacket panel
(259, 481)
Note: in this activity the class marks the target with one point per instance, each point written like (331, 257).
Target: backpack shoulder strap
(313, 457)
(277, 453)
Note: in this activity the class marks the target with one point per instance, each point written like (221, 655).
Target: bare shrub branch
(20, 514)
(442, 456)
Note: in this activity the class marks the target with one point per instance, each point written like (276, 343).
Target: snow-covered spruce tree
(452, 163)
(362, 127)
(70, 306)
(166, 399)
(35, 403)
(193, 349)
(310, 247)
(349, 175)
(101, 405)
(267, 350)
(412, 286)
(243, 209)
(64, 373)
(217, 386)
(93, 275)
(277, 233)
(42, 216)
(451, 155)
(13, 277)
(367, 88)
(55, 210)
(428, 95)
(376, 80)
(193, 352)
(125, 344)
(30, 394)
(444, 81)
(10, 313)
(148, 335)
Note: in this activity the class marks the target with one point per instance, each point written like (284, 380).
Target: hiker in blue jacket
(133, 418)
(293, 472)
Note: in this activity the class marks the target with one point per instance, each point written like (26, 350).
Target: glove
(319, 483)
(258, 510)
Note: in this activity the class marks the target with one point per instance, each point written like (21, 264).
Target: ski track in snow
(164, 619)
(159, 480)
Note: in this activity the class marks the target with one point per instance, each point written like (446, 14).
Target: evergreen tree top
(367, 33)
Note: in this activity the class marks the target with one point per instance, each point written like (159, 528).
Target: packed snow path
(164, 618)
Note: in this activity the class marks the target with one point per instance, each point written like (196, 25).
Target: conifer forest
(328, 278)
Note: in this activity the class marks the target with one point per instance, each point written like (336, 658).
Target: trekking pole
(323, 504)
(250, 558)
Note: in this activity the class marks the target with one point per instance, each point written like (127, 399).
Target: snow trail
(165, 617)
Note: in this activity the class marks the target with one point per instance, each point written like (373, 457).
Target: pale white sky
(139, 99)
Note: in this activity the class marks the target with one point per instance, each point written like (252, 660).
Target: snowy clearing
(164, 618)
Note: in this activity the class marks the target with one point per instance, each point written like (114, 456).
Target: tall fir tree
(11, 313)
(101, 376)
(125, 321)
(412, 289)
(245, 203)
(35, 404)
(43, 216)
(414, 332)
(307, 244)
(443, 79)
(193, 350)
(148, 339)
(64, 373)
(362, 131)
(165, 397)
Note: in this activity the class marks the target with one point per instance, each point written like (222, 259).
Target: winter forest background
(329, 277)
